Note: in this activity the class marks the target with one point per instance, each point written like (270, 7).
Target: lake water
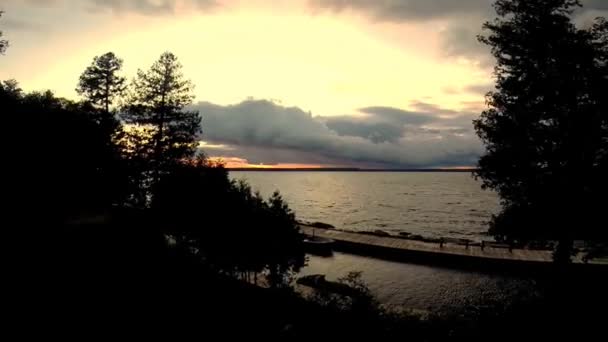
(428, 204)
(431, 289)
(443, 204)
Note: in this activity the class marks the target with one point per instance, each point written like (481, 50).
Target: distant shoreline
(346, 170)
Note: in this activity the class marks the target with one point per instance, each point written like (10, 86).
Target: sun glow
(328, 65)
(241, 163)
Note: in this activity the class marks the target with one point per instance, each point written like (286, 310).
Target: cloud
(459, 40)
(376, 132)
(481, 89)
(397, 115)
(149, 7)
(380, 124)
(387, 124)
(44, 3)
(413, 10)
(265, 132)
(405, 10)
(463, 18)
(600, 5)
(433, 109)
(144, 7)
(19, 25)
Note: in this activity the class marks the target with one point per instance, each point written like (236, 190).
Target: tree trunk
(107, 95)
(159, 139)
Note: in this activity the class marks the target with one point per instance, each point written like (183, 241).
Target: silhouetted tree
(3, 42)
(100, 83)
(68, 169)
(234, 229)
(156, 105)
(282, 244)
(545, 130)
(9, 89)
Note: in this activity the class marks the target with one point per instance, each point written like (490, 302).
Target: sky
(299, 83)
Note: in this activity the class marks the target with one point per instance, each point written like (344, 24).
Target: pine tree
(101, 83)
(156, 106)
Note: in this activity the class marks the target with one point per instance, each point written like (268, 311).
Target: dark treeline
(116, 218)
(110, 201)
(129, 153)
(120, 220)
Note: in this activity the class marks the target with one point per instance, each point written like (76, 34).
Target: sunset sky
(366, 83)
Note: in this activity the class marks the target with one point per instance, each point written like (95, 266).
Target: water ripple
(428, 204)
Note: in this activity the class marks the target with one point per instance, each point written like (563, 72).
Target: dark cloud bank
(144, 7)
(464, 17)
(263, 131)
(379, 10)
(148, 6)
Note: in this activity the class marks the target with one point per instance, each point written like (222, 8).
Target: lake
(432, 204)
(448, 204)
(428, 288)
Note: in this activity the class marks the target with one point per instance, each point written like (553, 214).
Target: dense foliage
(244, 236)
(546, 129)
(100, 83)
(155, 106)
(141, 177)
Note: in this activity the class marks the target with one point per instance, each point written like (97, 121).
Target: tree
(100, 83)
(545, 130)
(156, 105)
(73, 172)
(282, 243)
(10, 89)
(233, 229)
(3, 42)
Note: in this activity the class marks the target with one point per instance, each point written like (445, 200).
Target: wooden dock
(455, 253)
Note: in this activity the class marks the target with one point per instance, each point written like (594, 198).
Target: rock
(375, 233)
(322, 225)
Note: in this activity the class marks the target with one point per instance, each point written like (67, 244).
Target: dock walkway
(411, 248)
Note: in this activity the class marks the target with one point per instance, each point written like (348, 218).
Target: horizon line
(351, 169)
